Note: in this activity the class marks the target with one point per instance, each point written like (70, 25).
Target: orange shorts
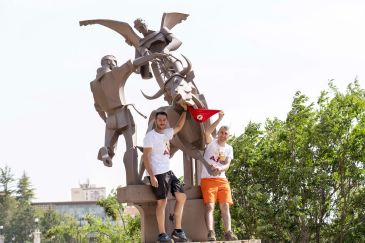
(216, 189)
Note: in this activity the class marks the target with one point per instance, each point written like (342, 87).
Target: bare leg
(160, 215)
(209, 219)
(226, 216)
(179, 207)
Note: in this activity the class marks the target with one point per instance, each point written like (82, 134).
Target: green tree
(301, 180)
(24, 192)
(48, 219)
(22, 222)
(7, 202)
(102, 230)
(6, 180)
(112, 207)
(115, 210)
(66, 231)
(341, 131)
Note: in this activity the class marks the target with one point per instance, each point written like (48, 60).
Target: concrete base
(193, 221)
(142, 198)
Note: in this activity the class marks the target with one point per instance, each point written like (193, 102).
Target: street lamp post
(2, 237)
(37, 233)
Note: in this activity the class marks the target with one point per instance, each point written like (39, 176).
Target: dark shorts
(166, 182)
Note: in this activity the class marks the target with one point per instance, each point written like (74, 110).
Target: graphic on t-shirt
(167, 148)
(219, 156)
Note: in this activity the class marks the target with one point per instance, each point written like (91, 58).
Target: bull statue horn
(188, 68)
(155, 96)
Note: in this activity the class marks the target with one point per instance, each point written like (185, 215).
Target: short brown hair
(160, 113)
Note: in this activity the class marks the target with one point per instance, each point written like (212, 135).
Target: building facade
(87, 192)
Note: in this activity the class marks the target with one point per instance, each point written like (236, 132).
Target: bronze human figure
(110, 103)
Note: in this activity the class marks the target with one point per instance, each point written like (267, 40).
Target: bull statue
(178, 87)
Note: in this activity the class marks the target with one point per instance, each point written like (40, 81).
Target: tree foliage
(118, 227)
(16, 213)
(6, 180)
(302, 179)
(25, 192)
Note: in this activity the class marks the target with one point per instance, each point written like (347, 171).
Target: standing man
(109, 102)
(156, 157)
(216, 187)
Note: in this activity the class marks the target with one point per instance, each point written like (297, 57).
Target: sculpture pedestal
(144, 200)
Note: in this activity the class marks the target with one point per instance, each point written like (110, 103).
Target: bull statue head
(176, 88)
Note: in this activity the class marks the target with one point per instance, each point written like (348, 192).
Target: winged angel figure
(162, 41)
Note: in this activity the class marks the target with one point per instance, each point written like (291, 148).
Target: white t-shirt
(160, 144)
(216, 155)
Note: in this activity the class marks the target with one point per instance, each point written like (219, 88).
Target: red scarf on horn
(201, 115)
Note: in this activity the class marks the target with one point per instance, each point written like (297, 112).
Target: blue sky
(249, 58)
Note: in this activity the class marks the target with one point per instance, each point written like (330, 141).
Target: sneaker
(179, 236)
(230, 236)
(211, 236)
(163, 238)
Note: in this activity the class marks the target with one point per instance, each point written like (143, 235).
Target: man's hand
(154, 181)
(221, 114)
(183, 105)
(214, 171)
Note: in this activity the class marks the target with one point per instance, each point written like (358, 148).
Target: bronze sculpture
(175, 81)
(177, 85)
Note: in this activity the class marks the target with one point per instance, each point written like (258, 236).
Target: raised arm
(210, 129)
(180, 123)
